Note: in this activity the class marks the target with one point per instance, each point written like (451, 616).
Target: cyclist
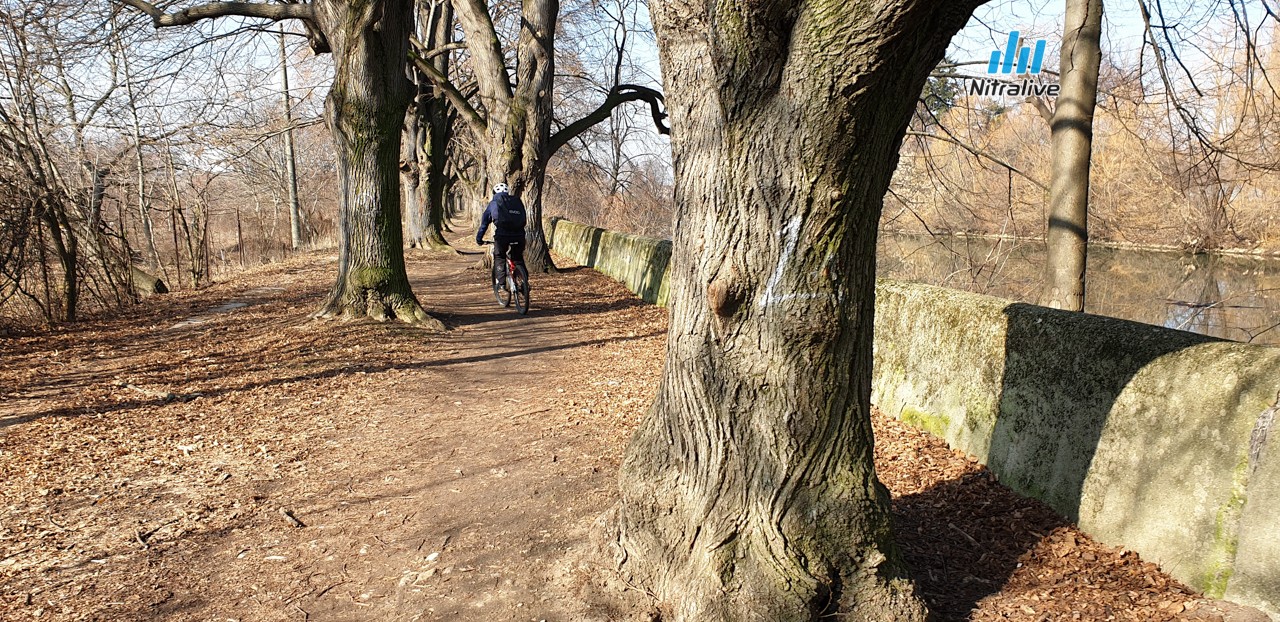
(508, 217)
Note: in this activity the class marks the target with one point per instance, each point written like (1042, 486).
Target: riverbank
(1264, 253)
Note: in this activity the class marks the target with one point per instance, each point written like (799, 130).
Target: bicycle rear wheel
(522, 290)
(500, 290)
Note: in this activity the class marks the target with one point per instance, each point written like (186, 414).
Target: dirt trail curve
(216, 456)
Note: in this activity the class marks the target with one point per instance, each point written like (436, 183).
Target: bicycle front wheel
(500, 290)
(522, 290)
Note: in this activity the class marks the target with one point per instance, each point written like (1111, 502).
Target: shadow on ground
(965, 538)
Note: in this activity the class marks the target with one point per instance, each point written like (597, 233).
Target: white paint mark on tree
(791, 236)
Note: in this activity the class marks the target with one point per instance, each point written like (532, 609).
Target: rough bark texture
(365, 111)
(410, 174)
(749, 492)
(437, 127)
(1068, 234)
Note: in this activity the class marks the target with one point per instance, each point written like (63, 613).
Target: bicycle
(514, 287)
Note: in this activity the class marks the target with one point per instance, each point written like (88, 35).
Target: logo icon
(1022, 54)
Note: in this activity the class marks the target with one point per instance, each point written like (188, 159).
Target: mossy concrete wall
(638, 262)
(1147, 438)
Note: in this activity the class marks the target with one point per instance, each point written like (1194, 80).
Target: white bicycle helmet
(501, 188)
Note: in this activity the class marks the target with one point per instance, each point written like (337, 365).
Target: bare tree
(365, 111)
(599, 56)
(291, 161)
(749, 491)
(512, 119)
(1072, 131)
(52, 184)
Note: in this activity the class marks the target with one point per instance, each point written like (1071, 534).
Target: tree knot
(725, 295)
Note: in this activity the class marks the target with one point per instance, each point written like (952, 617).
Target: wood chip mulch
(981, 552)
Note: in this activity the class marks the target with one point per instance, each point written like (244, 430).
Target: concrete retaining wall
(1143, 436)
(638, 262)
(1147, 438)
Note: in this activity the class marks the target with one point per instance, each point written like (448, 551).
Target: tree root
(434, 243)
(380, 307)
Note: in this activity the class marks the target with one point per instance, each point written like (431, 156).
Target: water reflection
(1223, 296)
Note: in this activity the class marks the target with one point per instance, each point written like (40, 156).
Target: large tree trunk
(437, 127)
(414, 209)
(517, 133)
(531, 115)
(749, 492)
(435, 159)
(411, 175)
(365, 111)
(1072, 131)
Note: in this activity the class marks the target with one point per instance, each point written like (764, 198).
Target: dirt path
(438, 476)
(156, 466)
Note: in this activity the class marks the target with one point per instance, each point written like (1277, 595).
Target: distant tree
(1072, 131)
(602, 39)
(365, 111)
(429, 130)
(941, 90)
(511, 121)
(749, 493)
(297, 233)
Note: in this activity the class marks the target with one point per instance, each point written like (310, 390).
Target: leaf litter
(258, 466)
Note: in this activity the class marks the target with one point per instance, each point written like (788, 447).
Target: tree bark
(365, 110)
(436, 122)
(437, 187)
(410, 176)
(749, 491)
(1072, 133)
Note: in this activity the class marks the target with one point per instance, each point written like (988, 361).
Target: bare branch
(444, 49)
(417, 54)
(487, 60)
(618, 95)
(277, 12)
(1042, 106)
(978, 153)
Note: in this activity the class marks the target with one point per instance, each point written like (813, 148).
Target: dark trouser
(504, 248)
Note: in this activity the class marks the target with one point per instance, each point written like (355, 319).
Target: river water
(1225, 296)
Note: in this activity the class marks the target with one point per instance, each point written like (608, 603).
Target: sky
(1193, 23)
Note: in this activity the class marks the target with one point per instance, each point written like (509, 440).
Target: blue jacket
(491, 217)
